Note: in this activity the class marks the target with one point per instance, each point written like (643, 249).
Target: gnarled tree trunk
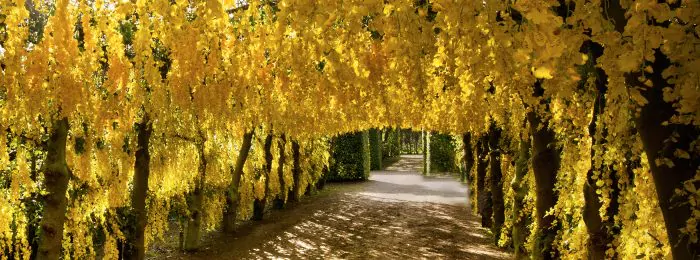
(282, 196)
(482, 195)
(496, 180)
(136, 242)
(598, 230)
(260, 204)
(233, 198)
(662, 142)
(296, 172)
(545, 164)
(193, 226)
(468, 157)
(56, 178)
(321, 183)
(520, 189)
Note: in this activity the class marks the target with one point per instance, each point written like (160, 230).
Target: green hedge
(350, 157)
(442, 153)
(375, 146)
(391, 147)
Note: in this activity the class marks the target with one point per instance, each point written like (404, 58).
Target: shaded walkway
(397, 214)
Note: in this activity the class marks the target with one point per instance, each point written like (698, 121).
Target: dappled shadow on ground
(395, 215)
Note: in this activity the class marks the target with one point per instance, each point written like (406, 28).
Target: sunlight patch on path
(398, 197)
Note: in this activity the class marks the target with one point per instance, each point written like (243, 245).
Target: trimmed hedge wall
(391, 147)
(442, 153)
(375, 147)
(350, 157)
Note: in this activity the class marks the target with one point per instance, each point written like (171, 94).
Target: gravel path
(397, 214)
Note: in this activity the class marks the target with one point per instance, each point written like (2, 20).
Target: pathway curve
(397, 214)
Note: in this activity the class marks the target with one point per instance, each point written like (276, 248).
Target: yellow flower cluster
(205, 72)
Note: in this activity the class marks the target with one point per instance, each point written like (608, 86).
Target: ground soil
(397, 214)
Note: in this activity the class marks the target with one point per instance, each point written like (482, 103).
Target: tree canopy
(204, 73)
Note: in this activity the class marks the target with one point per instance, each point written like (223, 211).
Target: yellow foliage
(205, 72)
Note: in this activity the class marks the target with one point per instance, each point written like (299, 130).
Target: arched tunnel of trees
(570, 127)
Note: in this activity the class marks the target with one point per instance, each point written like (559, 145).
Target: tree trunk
(136, 244)
(468, 157)
(482, 196)
(545, 164)
(296, 172)
(520, 190)
(496, 180)
(260, 204)
(34, 204)
(321, 183)
(661, 142)
(282, 196)
(193, 225)
(598, 231)
(233, 198)
(56, 178)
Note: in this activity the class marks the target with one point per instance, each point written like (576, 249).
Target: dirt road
(397, 214)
